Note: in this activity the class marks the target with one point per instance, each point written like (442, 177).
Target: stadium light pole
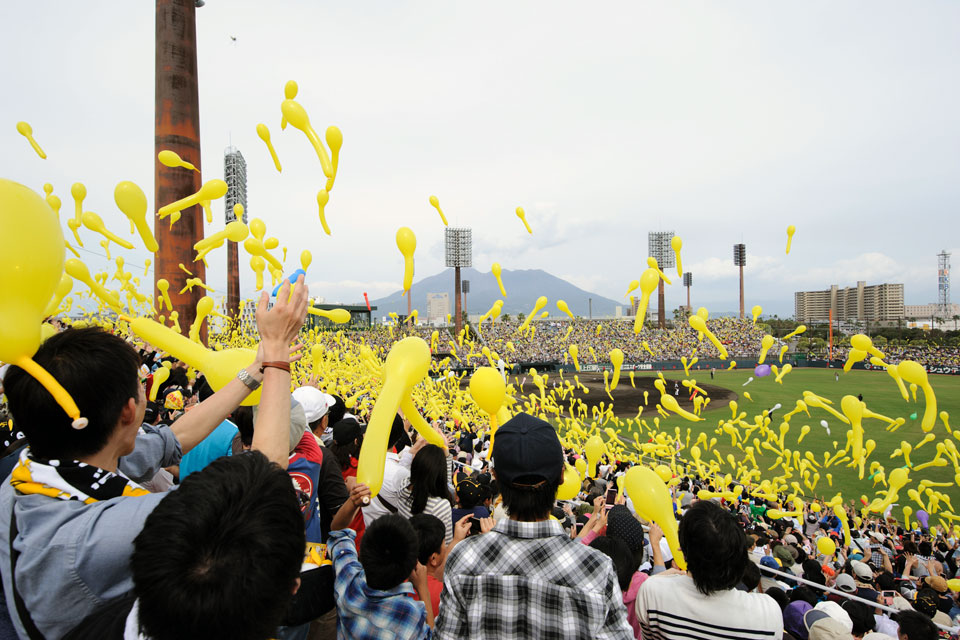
(740, 260)
(688, 282)
(458, 246)
(658, 243)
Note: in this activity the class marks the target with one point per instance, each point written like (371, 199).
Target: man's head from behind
(430, 534)
(221, 556)
(100, 371)
(915, 626)
(389, 552)
(528, 465)
(714, 547)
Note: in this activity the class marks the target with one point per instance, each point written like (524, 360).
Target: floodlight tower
(688, 282)
(740, 260)
(943, 285)
(659, 247)
(235, 175)
(458, 243)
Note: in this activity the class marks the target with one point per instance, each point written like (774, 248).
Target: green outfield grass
(881, 395)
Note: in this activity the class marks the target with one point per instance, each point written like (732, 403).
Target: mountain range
(523, 287)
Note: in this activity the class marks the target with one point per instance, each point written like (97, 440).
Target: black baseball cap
(346, 431)
(527, 447)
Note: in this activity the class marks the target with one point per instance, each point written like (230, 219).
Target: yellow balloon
(954, 584)
(26, 131)
(914, 373)
(581, 466)
(594, 450)
(211, 190)
(334, 140)
(264, 134)
(63, 288)
(765, 346)
(219, 367)
(93, 222)
(756, 311)
(407, 243)
(488, 389)
(495, 269)
(676, 243)
(815, 507)
(306, 258)
(296, 115)
(790, 231)
(570, 487)
(616, 359)
(651, 499)
(31, 266)
(826, 546)
(173, 160)
(664, 472)
(132, 202)
(699, 324)
(159, 377)
(562, 306)
(406, 365)
(649, 280)
(436, 205)
(523, 218)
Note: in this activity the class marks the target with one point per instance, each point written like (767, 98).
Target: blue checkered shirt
(365, 612)
(530, 580)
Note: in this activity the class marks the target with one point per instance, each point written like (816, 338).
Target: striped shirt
(669, 607)
(435, 507)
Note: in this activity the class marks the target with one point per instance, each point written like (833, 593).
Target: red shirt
(357, 523)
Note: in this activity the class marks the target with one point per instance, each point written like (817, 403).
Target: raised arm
(278, 327)
(195, 425)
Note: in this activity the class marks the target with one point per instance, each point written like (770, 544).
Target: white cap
(315, 403)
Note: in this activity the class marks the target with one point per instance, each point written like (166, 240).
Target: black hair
(398, 435)
(916, 626)
(389, 552)
(99, 370)
(925, 548)
(861, 615)
(243, 418)
(779, 595)
(204, 390)
(623, 561)
(714, 546)
(804, 593)
(428, 477)
(529, 502)
(751, 576)
(231, 535)
(336, 411)
(430, 534)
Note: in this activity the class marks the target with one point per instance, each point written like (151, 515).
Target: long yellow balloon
(406, 365)
(651, 499)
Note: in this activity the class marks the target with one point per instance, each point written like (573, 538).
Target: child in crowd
(373, 590)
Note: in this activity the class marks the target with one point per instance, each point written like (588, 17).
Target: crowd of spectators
(192, 516)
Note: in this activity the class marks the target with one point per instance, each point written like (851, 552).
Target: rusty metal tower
(177, 128)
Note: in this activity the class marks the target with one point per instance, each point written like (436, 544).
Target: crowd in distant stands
(551, 339)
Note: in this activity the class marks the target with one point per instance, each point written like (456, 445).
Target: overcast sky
(723, 122)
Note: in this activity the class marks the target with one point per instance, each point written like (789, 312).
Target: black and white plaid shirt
(530, 580)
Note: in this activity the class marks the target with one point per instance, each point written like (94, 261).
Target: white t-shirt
(394, 476)
(669, 607)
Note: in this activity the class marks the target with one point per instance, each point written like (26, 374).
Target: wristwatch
(248, 380)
